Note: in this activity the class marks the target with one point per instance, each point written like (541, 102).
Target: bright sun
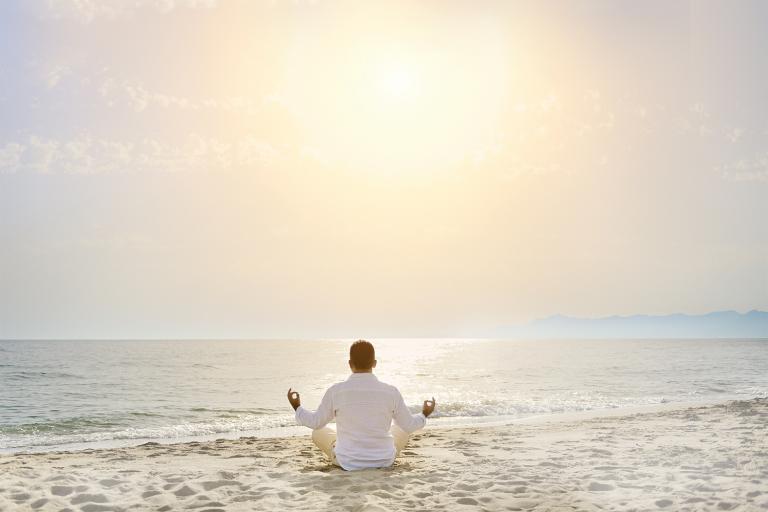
(397, 82)
(397, 109)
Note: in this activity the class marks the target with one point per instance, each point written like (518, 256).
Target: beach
(673, 457)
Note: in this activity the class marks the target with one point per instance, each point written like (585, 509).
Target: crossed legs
(325, 439)
(401, 438)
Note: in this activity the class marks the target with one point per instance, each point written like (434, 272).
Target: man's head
(362, 357)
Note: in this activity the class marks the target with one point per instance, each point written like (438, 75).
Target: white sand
(687, 458)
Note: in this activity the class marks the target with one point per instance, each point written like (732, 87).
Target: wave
(89, 430)
(253, 410)
(244, 421)
(61, 426)
(530, 407)
(24, 437)
(30, 375)
(753, 391)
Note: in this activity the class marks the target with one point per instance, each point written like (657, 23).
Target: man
(364, 409)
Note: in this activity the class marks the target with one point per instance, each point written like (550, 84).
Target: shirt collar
(365, 375)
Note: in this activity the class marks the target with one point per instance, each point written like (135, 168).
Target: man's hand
(429, 407)
(295, 400)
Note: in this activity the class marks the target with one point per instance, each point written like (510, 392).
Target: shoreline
(443, 423)
(697, 458)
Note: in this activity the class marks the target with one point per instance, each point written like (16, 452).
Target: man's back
(364, 409)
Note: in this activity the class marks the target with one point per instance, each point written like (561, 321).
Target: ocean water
(80, 394)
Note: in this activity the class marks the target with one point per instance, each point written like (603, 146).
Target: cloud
(40, 155)
(10, 157)
(85, 154)
(53, 77)
(87, 11)
(139, 98)
(746, 169)
(734, 134)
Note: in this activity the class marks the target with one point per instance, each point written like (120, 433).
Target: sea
(76, 395)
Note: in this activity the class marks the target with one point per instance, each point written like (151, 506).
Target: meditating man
(364, 409)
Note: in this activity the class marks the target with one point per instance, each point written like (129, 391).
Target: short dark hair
(362, 355)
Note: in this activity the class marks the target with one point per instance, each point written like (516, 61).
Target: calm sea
(79, 394)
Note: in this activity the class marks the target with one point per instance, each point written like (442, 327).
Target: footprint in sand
(20, 497)
(184, 491)
(522, 505)
(110, 482)
(598, 487)
(663, 503)
(89, 498)
(208, 505)
(39, 503)
(215, 484)
(95, 507)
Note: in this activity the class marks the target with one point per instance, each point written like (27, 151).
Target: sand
(683, 458)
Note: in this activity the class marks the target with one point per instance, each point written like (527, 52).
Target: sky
(317, 169)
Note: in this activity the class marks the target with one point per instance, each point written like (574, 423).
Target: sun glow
(418, 108)
(394, 95)
(397, 82)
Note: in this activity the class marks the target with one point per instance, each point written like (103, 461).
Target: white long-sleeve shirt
(364, 408)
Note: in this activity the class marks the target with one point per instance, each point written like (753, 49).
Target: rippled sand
(684, 458)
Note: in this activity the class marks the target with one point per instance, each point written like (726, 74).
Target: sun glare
(398, 82)
(396, 108)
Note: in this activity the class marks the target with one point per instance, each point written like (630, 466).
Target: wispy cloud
(746, 169)
(86, 154)
(139, 98)
(86, 11)
(10, 156)
(53, 77)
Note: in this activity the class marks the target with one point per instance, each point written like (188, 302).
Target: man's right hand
(428, 407)
(294, 399)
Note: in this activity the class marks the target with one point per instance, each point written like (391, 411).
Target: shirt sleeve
(321, 417)
(403, 417)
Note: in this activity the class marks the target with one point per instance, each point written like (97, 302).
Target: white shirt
(364, 409)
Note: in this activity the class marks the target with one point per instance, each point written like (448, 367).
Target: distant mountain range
(719, 324)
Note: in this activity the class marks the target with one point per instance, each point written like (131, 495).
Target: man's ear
(374, 364)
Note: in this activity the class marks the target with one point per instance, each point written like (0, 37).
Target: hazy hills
(719, 324)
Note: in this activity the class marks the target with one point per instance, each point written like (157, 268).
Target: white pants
(325, 439)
